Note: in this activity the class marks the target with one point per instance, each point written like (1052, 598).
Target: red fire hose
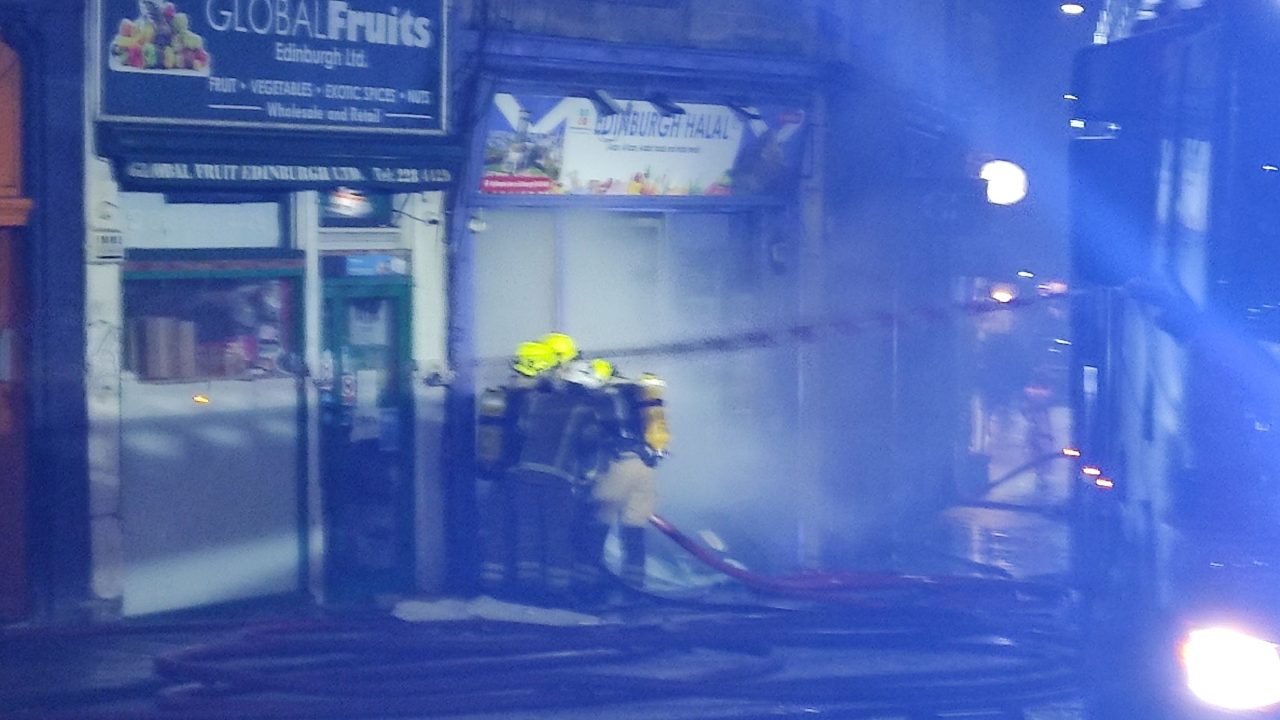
(855, 586)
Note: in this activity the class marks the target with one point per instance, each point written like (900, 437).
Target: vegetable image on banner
(563, 145)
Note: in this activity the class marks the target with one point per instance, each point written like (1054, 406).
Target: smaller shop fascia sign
(405, 175)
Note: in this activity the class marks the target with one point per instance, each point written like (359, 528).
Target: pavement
(642, 662)
(978, 649)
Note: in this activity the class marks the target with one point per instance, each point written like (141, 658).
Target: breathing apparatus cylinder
(491, 430)
(652, 413)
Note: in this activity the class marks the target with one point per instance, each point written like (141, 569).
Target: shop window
(652, 276)
(516, 265)
(703, 249)
(223, 318)
(156, 221)
(612, 277)
(619, 279)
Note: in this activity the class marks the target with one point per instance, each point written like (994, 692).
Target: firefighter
(497, 449)
(636, 438)
(560, 423)
(564, 347)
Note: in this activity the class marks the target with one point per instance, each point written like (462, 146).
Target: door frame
(399, 289)
(14, 210)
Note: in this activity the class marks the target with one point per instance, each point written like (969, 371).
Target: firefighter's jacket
(561, 426)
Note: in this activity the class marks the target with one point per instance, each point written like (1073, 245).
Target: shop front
(214, 402)
(658, 223)
(264, 264)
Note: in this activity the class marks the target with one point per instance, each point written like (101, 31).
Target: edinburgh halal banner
(363, 66)
(564, 145)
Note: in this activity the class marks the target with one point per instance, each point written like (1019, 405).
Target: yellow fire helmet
(602, 368)
(533, 358)
(562, 345)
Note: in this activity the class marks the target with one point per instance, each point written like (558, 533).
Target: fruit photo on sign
(159, 40)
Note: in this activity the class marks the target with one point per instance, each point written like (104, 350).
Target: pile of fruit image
(159, 39)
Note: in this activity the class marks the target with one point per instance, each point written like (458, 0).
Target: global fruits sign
(363, 66)
(564, 146)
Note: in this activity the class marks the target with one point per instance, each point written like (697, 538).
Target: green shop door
(366, 425)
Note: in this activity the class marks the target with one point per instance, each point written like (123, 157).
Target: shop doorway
(366, 456)
(13, 210)
(626, 285)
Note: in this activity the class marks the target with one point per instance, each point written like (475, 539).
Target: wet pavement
(1018, 522)
(643, 662)
(917, 653)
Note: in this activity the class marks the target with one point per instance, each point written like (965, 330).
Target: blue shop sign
(376, 265)
(364, 66)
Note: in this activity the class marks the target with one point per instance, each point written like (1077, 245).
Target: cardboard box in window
(166, 347)
(159, 348)
(133, 346)
(187, 367)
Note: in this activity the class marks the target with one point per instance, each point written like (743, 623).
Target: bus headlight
(1230, 669)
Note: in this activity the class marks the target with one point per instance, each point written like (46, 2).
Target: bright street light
(1003, 294)
(1006, 182)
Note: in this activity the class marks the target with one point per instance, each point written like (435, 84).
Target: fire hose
(838, 654)
(864, 587)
